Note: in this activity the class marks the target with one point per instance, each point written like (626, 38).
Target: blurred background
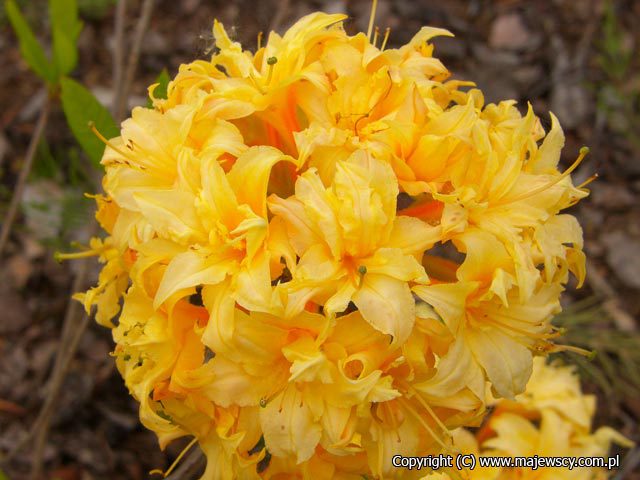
(576, 58)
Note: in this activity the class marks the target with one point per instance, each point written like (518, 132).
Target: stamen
(374, 6)
(392, 418)
(271, 61)
(355, 125)
(260, 40)
(102, 138)
(423, 423)
(366, 115)
(264, 401)
(60, 257)
(590, 354)
(583, 153)
(386, 37)
(375, 35)
(520, 331)
(257, 83)
(422, 401)
(593, 177)
(177, 460)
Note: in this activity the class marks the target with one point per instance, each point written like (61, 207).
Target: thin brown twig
(118, 57)
(66, 351)
(24, 174)
(46, 413)
(132, 64)
(72, 329)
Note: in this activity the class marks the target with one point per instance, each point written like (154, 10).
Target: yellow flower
(352, 247)
(552, 418)
(112, 282)
(554, 398)
(326, 250)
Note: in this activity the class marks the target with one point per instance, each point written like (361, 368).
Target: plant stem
(141, 28)
(118, 57)
(24, 174)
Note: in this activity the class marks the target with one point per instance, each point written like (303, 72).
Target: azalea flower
(326, 250)
(552, 418)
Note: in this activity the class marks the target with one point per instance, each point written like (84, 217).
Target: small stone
(508, 32)
(623, 256)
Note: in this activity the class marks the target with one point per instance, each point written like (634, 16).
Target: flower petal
(288, 426)
(507, 363)
(387, 304)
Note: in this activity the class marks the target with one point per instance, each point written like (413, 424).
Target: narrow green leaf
(30, 48)
(81, 108)
(160, 87)
(3, 476)
(64, 14)
(65, 53)
(66, 28)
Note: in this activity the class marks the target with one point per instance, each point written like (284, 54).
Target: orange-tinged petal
(413, 236)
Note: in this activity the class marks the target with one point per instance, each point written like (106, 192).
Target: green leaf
(160, 87)
(66, 28)
(65, 53)
(30, 49)
(3, 476)
(81, 108)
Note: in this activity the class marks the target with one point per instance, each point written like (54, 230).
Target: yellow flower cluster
(326, 250)
(552, 418)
